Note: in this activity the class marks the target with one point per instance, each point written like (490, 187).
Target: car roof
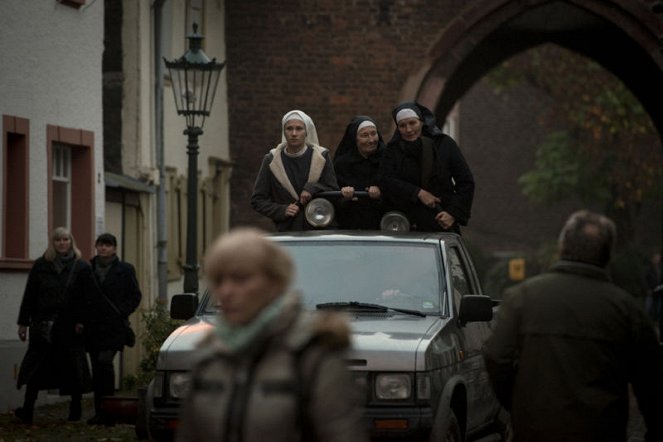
(363, 235)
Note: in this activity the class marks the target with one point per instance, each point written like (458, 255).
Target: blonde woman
(52, 315)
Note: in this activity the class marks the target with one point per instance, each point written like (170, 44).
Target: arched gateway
(624, 36)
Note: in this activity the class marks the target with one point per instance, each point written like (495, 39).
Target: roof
(125, 182)
(376, 235)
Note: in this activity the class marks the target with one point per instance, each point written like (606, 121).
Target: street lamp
(194, 79)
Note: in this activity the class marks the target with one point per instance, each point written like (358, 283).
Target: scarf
(101, 266)
(61, 262)
(239, 337)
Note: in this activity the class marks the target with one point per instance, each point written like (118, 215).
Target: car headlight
(393, 386)
(319, 212)
(179, 384)
(394, 221)
(158, 384)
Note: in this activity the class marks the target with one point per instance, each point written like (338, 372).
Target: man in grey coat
(568, 342)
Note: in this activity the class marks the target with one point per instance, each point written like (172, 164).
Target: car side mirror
(183, 306)
(475, 308)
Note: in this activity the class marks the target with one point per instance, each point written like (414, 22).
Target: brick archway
(624, 36)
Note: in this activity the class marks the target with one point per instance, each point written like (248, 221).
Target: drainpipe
(162, 232)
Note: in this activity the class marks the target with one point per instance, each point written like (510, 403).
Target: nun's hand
(304, 197)
(445, 219)
(427, 198)
(292, 210)
(374, 192)
(348, 192)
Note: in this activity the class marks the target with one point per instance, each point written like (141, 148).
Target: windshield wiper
(351, 305)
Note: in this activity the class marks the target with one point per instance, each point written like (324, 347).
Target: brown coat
(289, 385)
(566, 345)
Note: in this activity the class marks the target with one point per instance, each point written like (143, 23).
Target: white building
(68, 159)
(51, 166)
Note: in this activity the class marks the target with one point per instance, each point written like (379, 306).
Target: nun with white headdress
(292, 173)
(424, 174)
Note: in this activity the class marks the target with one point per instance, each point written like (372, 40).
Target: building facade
(51, 162)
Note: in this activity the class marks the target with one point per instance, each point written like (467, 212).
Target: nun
(357, 164)
(292, 173)
(424, 174)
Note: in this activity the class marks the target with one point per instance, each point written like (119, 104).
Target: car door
(481, 401)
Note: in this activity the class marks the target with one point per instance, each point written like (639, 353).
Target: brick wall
(331, 59)
(335, 59)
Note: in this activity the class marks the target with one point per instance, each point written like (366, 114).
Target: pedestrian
(269, 371)
(424, 174)
(357, 164)
(117, 295)
(52, 315)
(292, 173)
(568, 342)
(653, 279)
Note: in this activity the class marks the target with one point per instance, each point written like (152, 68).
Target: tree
(601, 147)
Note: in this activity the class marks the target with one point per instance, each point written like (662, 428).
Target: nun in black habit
(424, 174)
(357, 164)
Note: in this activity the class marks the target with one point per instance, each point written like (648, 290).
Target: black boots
(75, 410)
(99, 419)
(24, 414)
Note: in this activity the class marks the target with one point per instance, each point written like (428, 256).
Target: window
(459, 279)
(15, 188)
(71, 183)
(61, 176)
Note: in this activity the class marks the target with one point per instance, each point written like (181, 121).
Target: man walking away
(568, 342)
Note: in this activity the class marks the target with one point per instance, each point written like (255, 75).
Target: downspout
(162, 231)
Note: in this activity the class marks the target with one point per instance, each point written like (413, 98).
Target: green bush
(158, 325)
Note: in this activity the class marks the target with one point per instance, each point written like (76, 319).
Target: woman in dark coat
(357, 163)
(53, 310)
(116, 296)
(424, 174)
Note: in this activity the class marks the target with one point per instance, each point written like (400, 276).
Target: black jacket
(566, 345)
(61, 362)
(105, 329)
(401, 176)
(356, 171)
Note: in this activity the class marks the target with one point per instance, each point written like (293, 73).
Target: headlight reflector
(393, 386)
(394, 221)
(179, 384)
(319, 212)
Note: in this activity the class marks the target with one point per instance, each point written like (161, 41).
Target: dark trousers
(103, 376)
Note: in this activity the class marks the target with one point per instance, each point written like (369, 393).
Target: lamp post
(194, 80)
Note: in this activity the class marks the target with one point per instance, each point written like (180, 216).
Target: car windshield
(391, 274)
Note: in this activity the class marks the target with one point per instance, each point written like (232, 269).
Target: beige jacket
(291, 384)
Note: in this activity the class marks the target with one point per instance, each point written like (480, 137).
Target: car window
(459, 278)
(391, 274)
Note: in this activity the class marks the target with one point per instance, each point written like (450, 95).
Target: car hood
(176, 351)
(396, 343)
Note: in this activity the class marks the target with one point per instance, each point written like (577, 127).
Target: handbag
(130, 336)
